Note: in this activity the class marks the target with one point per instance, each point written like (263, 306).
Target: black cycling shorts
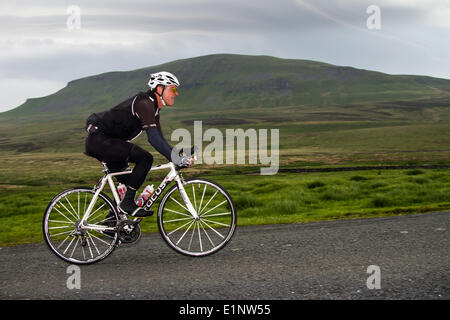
(117, 153)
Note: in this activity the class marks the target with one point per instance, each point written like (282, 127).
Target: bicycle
(82, 225)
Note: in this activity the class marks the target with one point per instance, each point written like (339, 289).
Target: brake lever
(194, 152)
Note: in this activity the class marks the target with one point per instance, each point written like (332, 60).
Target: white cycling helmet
(162, 78)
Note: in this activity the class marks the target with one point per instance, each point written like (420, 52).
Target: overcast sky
(45, 44)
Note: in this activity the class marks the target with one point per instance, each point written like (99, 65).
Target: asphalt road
(323, 260)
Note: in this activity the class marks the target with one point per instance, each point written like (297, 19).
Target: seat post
(105, 167)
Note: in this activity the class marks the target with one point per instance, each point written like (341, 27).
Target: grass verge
(283, 198)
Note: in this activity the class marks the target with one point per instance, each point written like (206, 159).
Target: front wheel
(207, 234)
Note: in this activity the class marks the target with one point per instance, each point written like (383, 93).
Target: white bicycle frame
(108, 178)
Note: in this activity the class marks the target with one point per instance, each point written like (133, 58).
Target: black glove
(182, 157)
(184, 162)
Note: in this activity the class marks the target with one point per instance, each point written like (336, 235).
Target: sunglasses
(174, 89)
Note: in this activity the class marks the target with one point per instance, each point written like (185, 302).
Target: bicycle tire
(99, 243)
(175, 225)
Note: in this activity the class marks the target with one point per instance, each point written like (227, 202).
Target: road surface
(402, 257)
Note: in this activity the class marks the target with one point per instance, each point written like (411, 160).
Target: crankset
(128, 231)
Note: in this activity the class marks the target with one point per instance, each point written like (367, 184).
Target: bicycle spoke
(93, 243)
(217, 214)
(65, 239)
(212, 243)
(85, 201)
(199, 237)
(218, 233)
(214, 208)
(89, 246)
(201, 201)
(62, 204)
(58, 221)
(100, 216)
(92, 213)
(63, 215)
(69, 245)
(178, 228)
(192, 236)
(185, 232)
(99, 239)
(58, 234)
(183, 214)
(180, 205)
(168, 221)
(209, 201)
(104, 220)
(74, 247)
(219, 223)
(51, 228)
(193, 193)
(76, 213)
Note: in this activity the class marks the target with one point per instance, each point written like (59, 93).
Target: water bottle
(144, 195)
(121, 189)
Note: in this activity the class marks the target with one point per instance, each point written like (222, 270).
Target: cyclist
(110, 133)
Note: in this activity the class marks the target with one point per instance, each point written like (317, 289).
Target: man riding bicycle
(111, 131)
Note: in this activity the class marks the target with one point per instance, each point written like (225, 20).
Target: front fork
(180, 183)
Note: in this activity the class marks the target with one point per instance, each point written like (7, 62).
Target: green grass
(283, 198)
(326, 142)
(326, 115)
(37, 164)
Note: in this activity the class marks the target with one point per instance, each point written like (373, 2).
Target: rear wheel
(203, 236)
(65, 237)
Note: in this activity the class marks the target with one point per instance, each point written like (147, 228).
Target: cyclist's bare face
(169, 95)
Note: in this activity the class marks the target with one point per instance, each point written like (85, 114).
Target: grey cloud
(38, 46)
(214, 16)
(73, 63)
(221, 16)
(354, 13)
